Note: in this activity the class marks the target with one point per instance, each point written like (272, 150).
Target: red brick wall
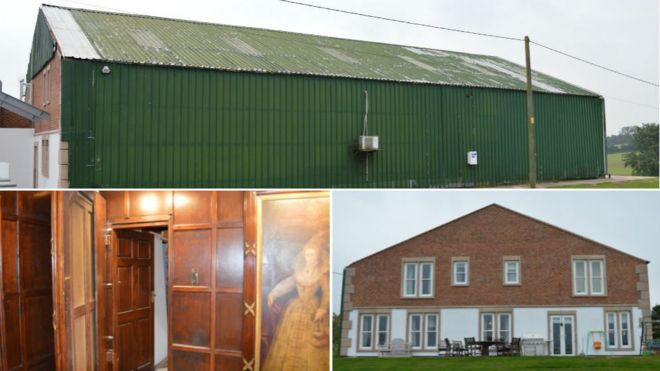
(486, 237)
(53, 104)
(9, 119)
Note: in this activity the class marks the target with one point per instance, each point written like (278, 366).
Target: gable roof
(21, 108)
(495, 205)
(140, 39)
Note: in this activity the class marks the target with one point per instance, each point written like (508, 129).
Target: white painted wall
(160, 304)
(16, 149)
(52, 181)
(458, 323)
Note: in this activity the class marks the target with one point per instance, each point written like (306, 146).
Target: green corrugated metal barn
(153, 102)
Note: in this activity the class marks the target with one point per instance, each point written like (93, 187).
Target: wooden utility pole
(531, 129)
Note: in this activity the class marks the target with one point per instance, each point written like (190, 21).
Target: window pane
(488, 326)
(579, 269)
(431, 331)
(611, 330)
(382, 323)
(596, 277)
(411, 278)
(568, 335)
(556, 335)
(366, 331)
(512, 272)
(416, 323)
(426, 271)
(625, 336)
(426, 287)
(596, 285)
(460, 272)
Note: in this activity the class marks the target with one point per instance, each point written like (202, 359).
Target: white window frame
(591, 277)
(613, 316)
(414, 280)
(616, 319)
(418, 279)
(421, 330)
(516, 263)
(363, 331)
(422, 279)
(496, 329)
(588, 263)
(483, 326)
(585, 278)
(455, 265)
(378, 331)
(620, 337)
(499, 326)
(426, 330)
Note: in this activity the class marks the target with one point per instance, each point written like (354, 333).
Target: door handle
(195, 277)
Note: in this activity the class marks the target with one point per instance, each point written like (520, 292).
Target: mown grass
(615, 164)
(641, 183)
(498, 363)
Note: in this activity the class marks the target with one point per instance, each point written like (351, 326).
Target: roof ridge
(146, 16)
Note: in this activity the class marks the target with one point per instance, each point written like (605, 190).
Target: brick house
(496, 273)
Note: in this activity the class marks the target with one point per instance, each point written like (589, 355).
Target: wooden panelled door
(74, 257)
(133, 299)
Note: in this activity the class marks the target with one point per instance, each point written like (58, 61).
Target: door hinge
(108, 238)
(52, 247)
(54, 322)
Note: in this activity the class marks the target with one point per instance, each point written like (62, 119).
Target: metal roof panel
(128, 38)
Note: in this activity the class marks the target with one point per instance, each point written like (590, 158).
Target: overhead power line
(405, 22)
(593, 64)
(472, 33)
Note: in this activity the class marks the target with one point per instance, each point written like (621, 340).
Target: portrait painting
(293, 313)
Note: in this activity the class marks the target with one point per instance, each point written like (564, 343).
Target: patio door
(562, 339)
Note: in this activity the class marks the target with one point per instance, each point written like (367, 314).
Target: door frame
(107, 359)
(561, 315)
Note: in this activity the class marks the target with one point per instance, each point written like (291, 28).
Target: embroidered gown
(294, 347)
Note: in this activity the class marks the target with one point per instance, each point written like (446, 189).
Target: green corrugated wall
(150, 126)
(43, 47)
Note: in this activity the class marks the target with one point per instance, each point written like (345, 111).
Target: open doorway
(27, 338)
(140, 317)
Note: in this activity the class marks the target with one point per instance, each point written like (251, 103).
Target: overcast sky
(365, 222)
(620, 34)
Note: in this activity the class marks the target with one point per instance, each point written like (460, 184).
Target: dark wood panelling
(189, 361)
(192, 250)
(206, 318)
(27, 306)
(192, 318)
(192, 207)
(147, 203)
(133, 295)
(9, 254)
(229, 258)
(229, 331)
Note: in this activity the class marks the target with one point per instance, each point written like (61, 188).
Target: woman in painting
(301, 338)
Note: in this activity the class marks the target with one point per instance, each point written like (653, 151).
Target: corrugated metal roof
(127, 38)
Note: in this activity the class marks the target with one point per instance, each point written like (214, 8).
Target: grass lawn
(643, 183)
(615, 164)
(498, 363)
